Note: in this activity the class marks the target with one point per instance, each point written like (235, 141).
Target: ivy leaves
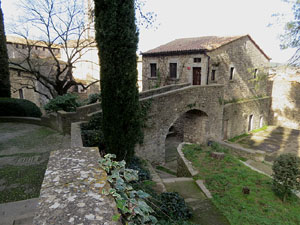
(131, 203)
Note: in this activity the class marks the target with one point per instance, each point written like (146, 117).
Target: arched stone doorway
(191, 126)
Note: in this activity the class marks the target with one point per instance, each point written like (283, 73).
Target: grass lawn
(236, 138)
(21, 182)
(226, 178)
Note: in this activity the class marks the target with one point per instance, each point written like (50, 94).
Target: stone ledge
(76, 139)
(71, 192)
(256, 155)
(184, 168)
(201, 185)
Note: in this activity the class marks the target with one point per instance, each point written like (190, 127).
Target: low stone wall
(161, 90)
(243, 152)
(184, 167)
(76, 139)
(71, 192)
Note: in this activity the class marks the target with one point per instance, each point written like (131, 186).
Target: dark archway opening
(189, 127)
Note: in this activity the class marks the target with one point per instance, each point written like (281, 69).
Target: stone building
(285, 109)
(236, 62)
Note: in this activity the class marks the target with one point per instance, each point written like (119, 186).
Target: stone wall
(286, 101)
(71, 192)
(245, 57)
(16, 84)
(185, 64)
(236, 116)
(161, 90)
(165, 110)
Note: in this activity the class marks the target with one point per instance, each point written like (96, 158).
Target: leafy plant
(173, 205)
(18, 107)
(92, 133)
(131, 203)
(137, 164)
(93, 98)
(67, 102)
(286, 175)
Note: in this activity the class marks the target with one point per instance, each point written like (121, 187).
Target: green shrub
(18, 107)
(172, 207)
(286, 175)
(92, 133)
(93, 98)
(137, 164)
(67, 102)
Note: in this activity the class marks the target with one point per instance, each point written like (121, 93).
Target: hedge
(18, 107)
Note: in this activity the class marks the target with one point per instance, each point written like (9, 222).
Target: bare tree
(54, 36)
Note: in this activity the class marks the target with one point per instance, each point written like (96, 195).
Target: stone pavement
(20, 212)
(274, 141)
(24, 145)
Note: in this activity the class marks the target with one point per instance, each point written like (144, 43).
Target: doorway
(250, 124)
(196, 75)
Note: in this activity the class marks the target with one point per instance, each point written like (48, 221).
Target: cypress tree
(117, 38)
(4, 70)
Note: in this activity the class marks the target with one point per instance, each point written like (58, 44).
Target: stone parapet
(160, 90)
(256, 155)
(71, 192)
(184, 166)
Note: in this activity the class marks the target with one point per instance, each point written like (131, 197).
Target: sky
(195, 18)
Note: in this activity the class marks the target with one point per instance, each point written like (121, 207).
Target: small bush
(92, 133)
(93, 98)
(137, 164)
(67, 103)
(18, 107)
(172, 206)
(286, 175)
(218, 148)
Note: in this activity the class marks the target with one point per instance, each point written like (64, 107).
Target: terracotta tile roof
(196, 44)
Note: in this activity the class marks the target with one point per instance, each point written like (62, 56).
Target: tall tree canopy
(291, 37)
(4, 70)
(117, 38)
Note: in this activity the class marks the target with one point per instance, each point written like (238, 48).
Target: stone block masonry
(72, 190)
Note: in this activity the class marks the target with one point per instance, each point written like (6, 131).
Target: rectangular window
(17, 46)
(36, 47)
(213, 75)
(231, 73)
(19, 73)
(173, 70)
(197, 60)
(255, 73)
(44, 48)
(153, 69)
(23, 46)
(21, 94)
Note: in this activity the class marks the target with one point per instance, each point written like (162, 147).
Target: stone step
(24, 221)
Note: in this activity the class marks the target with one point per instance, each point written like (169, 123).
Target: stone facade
(18, 82)
(241, 117)
(286, 100)
(242, 54)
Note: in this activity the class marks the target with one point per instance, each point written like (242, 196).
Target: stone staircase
(18, 213)
(204, 211)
